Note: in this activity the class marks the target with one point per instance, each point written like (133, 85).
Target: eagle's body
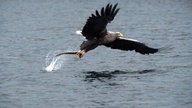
(93, 43)
(96, 34)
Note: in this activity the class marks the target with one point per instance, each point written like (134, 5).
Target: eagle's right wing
(130, 44)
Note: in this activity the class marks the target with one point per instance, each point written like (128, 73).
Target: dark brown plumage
(129, 45)
(95, 26)
(96, 34)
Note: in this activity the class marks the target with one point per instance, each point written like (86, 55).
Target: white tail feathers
(78, 32)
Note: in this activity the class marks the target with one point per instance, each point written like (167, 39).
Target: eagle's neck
(109, 37)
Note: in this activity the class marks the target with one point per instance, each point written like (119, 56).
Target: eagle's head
(115, 34)
(118, 34)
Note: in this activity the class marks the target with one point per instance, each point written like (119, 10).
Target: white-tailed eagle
(96, 34)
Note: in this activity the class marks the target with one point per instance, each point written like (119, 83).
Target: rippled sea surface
(104, 78)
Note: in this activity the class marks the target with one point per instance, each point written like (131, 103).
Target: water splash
(53, 66)
(54, 63)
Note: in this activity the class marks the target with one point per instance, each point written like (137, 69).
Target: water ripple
(99, 75)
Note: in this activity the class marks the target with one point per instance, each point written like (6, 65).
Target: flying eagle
(96, 34)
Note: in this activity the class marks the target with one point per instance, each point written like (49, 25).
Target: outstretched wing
(96, 23)
(130, 44)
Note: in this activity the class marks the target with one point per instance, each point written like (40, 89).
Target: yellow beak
(121, 35)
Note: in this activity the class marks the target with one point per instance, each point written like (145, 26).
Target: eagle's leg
(80, 53)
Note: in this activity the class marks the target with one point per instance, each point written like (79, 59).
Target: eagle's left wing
(95, 26)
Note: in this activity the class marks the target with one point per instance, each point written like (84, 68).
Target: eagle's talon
(80, 53)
